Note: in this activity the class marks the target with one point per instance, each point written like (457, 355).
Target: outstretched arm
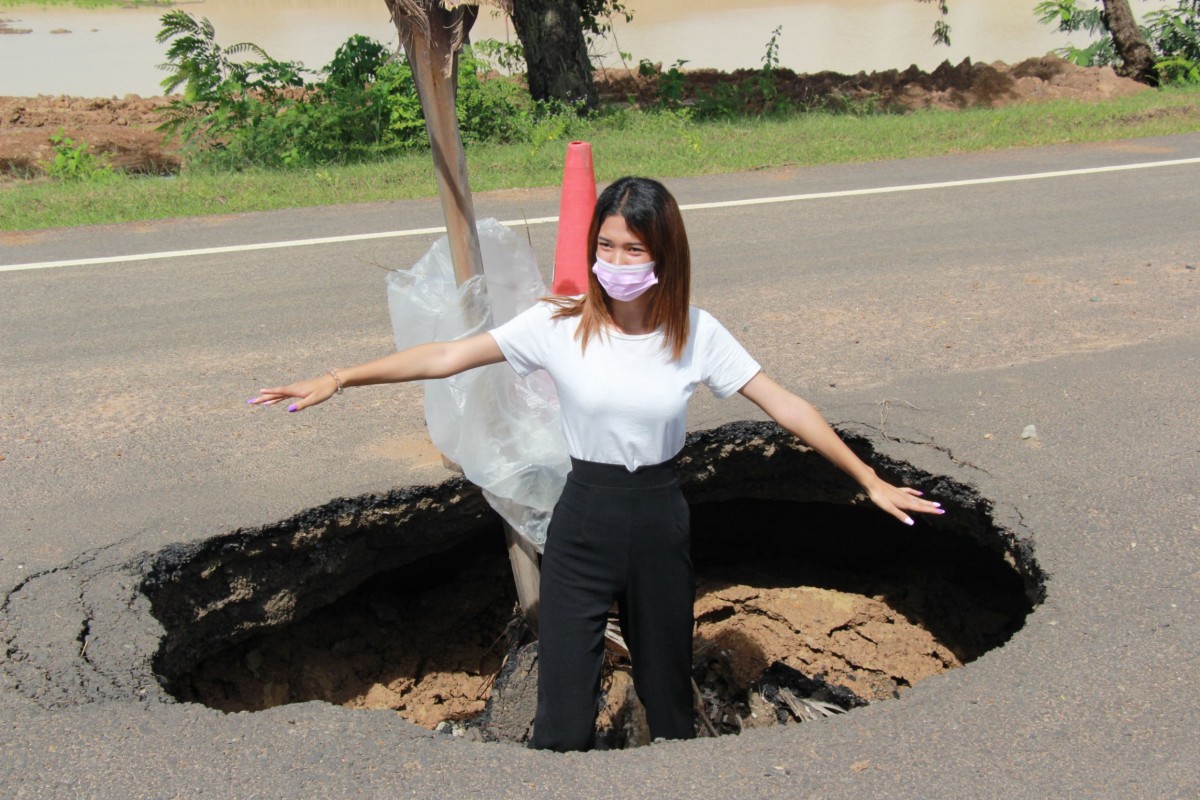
(800, 418)
(434, 360)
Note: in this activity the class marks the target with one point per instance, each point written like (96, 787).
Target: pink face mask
(625, 283)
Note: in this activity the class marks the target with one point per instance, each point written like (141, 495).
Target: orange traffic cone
(574, 216)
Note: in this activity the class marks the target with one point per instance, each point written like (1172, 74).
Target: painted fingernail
(250, 401)
(908, 521)
(937, 505)
(292, 407)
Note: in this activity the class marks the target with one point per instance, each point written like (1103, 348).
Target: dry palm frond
(416, 18)
(806, 709)
(508, 641)
(709, 728)
(615, 643)
(419, 8)
(614, 640)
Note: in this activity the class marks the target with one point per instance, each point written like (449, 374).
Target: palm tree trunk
(434, 64)
(431, 48)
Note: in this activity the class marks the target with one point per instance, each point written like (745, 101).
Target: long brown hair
(652, 214)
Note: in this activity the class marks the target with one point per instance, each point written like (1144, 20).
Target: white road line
(916, 187)
(791, 198)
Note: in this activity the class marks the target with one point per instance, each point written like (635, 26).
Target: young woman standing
(625, 358)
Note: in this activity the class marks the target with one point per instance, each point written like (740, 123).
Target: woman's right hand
(310, 392)
(433, 360)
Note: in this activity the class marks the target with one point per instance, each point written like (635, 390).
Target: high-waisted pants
(623, 537)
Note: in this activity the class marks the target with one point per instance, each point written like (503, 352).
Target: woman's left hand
(897, 500)
(798, 416)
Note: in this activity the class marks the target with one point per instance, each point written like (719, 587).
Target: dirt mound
(123, 129)
(993, 85)
(45, 111)
(966, 85)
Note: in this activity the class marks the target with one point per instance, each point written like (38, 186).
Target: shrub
(1172, 33)
(1174, 36)
(74, 162)
(264, 113)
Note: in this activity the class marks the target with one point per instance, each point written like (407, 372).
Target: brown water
(112, 51)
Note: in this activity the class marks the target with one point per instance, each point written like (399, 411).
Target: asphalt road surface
(938, 321)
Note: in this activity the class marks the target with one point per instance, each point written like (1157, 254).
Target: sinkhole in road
(807, 599)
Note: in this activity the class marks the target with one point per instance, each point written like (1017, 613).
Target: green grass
(625, 142)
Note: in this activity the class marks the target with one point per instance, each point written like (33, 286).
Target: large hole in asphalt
(809, 600)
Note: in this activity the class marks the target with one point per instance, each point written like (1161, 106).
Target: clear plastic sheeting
(503, 430)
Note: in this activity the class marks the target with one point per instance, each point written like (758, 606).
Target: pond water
(103, 52)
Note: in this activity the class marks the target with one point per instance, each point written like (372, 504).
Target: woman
(625, 358)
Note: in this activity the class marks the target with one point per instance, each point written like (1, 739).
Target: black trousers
(623, 537)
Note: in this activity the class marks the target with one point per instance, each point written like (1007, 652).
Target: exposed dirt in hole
(833, 592)
(123, 129)
(433, 656)
(848, 639)
(425, 642)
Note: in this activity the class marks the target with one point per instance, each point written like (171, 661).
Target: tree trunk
(1138, 61)
(555, 51)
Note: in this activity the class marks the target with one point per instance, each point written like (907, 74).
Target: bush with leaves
(222, 97)
(1172, 33)
(73, 161)
(506, 57)
(365, 106)
(753, 93)
(1174, 36)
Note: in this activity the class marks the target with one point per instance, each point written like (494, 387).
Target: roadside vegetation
(661, 143)
(1172, 34)
(258, 133)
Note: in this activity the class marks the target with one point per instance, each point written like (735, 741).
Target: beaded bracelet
(337, 380)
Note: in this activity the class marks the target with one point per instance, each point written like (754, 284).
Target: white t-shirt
(625, 400)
